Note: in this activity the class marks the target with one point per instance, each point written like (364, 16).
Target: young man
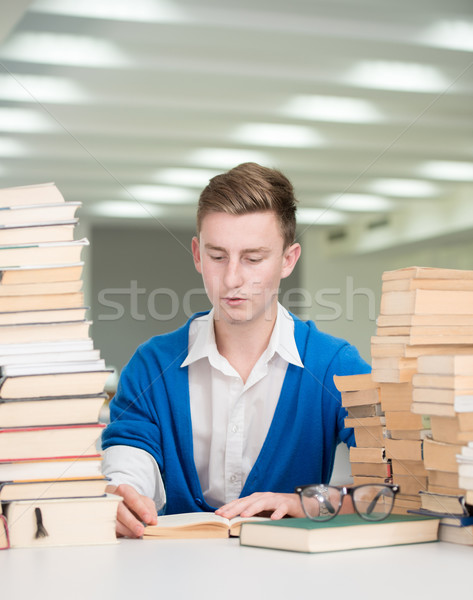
(238, 406)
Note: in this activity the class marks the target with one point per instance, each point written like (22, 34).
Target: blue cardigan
(151, 411)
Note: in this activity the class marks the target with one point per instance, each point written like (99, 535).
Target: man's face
(242, 260)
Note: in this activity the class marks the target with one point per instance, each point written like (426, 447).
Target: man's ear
(290, 258)
(196, 254)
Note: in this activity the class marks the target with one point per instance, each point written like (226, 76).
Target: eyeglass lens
(372, 502)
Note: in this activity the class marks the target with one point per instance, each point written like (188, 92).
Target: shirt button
(198, 501)
(234, 429)
(233, 478)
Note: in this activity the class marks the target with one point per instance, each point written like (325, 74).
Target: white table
(195, 569)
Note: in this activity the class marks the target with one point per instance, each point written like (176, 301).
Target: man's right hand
(133, 511)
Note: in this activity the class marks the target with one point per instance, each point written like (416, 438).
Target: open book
(197, 525)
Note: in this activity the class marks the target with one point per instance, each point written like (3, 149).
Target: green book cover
(349, 520)
(344, 532)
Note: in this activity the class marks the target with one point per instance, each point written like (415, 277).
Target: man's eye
(217, 258)
(255, 260)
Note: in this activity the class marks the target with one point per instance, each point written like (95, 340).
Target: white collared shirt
(230, 419)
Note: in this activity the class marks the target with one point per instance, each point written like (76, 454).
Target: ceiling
(130, 106)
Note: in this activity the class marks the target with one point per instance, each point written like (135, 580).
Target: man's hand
(133, 511)
(278, 505)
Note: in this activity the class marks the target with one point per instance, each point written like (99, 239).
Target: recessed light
(24, 120)
(274, 134)
(456, 35)
(198, 178)
(404, 188)
(31, 88)
(123, 10)
(358, 202)
(398, 76)
(161, 194)
(63, 49)
(10, 147)
(227, 158)
(332, 108)
(128, 210)
(447, 169)
(319, 216)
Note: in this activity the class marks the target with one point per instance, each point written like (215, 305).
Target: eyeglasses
(373, 502)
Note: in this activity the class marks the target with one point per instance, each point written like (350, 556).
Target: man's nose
(233, 277)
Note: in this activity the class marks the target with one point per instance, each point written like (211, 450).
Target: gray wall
(143, 283)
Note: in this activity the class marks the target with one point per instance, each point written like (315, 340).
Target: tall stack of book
(360, 396)
(52, 379)
(424, 313)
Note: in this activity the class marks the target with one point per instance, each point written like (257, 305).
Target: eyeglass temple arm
(373, 502)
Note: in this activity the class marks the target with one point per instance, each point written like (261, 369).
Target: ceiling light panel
(226, 158)
(455, 35)
(158, 11)
(272, 134)
(25, 120)
(358, 203)
(161, 194)
(63, 49)
(319, 216)
(448, 170)
(404, 188)
(336, 109)
(37, 88)
(397, 76)
(197, 178)
(124, 210)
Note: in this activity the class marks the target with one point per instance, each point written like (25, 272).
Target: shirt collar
(202, 342)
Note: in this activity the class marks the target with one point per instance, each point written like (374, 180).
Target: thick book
(47, 442)
(44, 332)
(51, 468)
(38, 213)
(434, 320)
(353, 383)
(56, 231)
(42, 412)
(42, 193)
(416, 272)
(42, 489)
(197, 525)
(344, 532)
(427, 302)
(40, 289)
(41, 273)
(56, 384)
(42, 253)
(443, 504)
(41, 301)
(62, 521)
(21, 317)
(399, 285)
(447, 365)
(36, 358)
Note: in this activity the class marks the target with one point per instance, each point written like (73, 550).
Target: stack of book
(360, 397)
(52, 379)
(425, 314)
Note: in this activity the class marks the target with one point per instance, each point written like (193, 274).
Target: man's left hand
(277, 505)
